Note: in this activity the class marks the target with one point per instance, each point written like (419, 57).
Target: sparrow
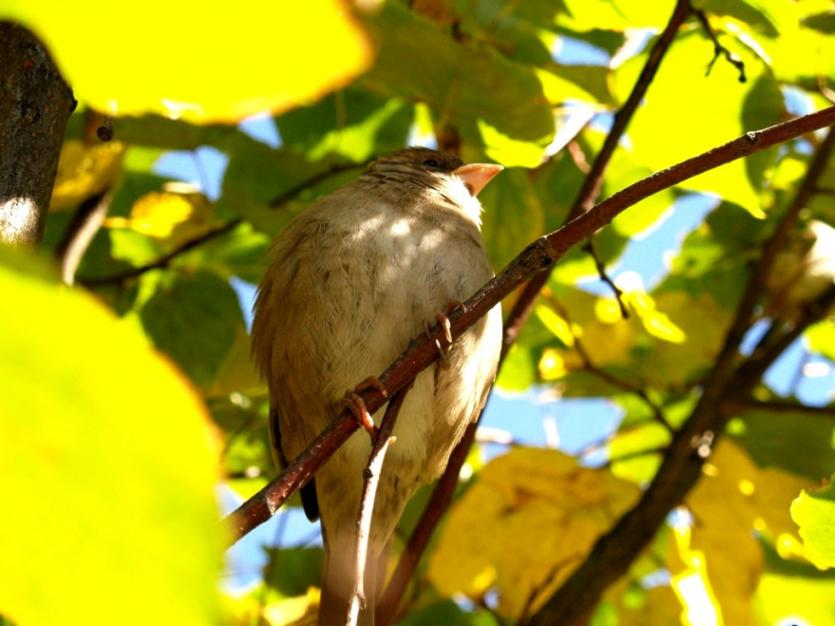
(353, 279)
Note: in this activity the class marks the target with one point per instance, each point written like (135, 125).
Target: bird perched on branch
(353, 279)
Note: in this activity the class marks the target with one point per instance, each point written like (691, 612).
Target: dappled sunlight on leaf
(735, 503)
(529, 518)
(169, 217)
(691, 584)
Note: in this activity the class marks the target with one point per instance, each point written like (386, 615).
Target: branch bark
(35, 104)
(537, 257)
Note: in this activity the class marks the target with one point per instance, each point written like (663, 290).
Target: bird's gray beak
(477, 175)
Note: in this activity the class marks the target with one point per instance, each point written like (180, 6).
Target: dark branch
(537, 257)
(214, 233)
(164, 260)
(681, 467)
(719, 49)
(291, 193)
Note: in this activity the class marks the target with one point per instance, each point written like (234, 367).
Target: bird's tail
(338, 584)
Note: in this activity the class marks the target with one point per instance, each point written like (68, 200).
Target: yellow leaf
(187, 60)
(551, 365)
(293, 611)
(655, 322)
(171, 217)
(84, 171)
(108, 458)
(561, 329)
(733, 502)
(692, 586)
(528, 521)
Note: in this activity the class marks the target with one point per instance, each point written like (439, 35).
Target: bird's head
(439, 172)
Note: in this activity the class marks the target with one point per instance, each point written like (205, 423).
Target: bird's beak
(477, 175)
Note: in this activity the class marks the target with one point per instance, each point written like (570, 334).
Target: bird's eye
(432, 163)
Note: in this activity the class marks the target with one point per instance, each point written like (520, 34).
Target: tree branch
(85, 224)
(35, 104)
(719, 49)
(537, 257)
(681, 467)
(214, 233)
(371, 477)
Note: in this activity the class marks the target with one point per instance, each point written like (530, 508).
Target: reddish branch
(537, 257)
(681, 467)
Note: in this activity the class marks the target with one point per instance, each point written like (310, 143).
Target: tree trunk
(35, 104)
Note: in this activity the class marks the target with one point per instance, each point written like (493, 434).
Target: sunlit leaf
(734, 502)
(814, 513)
(154, 65)
(513, 215)
(106, 453)
(526, 523)
(669, 128)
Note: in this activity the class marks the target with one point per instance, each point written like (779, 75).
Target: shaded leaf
(194, 320)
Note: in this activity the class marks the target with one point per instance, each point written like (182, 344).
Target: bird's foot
(353, 402)
(446, 327)
(356, 405)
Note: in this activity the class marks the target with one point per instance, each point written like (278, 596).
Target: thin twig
(289, 194)
(681, 467)
(536, 258)
(85, 224)
(719, 49)
(607, 377)
(164, 260)
(371, 478)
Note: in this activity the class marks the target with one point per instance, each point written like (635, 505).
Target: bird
(352, 280)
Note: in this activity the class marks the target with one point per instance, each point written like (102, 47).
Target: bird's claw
(354, 403)
(446, 328)
(372, 382)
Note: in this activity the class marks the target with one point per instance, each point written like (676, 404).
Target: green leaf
(291, 571)
(107, 459)
(193, 319)
(461, 82)
(821, 338)
(354, 123)
(669, 128)
(773, 439)
(513, 215)
(153, 64)
(814, 513)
